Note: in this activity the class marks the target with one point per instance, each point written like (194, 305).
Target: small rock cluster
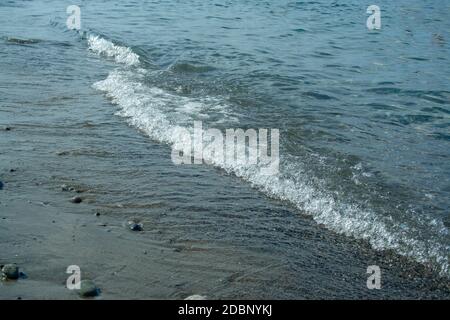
(10, 272)
(67, 188)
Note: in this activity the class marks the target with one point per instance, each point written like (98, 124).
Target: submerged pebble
(66, 188)
(10, 271)
(88, 289)
(76, 200)
(1, 185)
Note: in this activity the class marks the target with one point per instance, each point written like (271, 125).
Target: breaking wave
(120, 54)
(154, 111)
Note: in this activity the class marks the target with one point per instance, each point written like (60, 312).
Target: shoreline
(89, 114)
(43, 232)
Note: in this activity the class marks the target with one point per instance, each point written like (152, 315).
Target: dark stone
(76, 200)
(88, 289)
(1, 185)
(97, 214)
(8, 128)
(137, 226)
(10, 271)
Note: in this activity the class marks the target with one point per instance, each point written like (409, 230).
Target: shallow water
(363, 118)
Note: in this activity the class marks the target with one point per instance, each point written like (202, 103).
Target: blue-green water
(363, 115)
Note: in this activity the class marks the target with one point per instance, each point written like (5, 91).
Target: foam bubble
(123, 55)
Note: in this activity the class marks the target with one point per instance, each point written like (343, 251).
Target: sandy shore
(196, 238)
(43, 237)
(44, 241)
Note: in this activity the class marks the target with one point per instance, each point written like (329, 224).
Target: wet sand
(256, 252)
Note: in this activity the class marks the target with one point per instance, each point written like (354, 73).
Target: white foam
(149, 110)
(123, 55)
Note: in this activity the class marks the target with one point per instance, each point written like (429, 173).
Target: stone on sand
(76, 200)
(88, 289)
(196, 297)
(10, 271)
(137, 226)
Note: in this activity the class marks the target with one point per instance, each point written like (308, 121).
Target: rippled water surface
(363, 115)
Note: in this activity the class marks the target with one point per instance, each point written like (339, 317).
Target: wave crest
(122, 55)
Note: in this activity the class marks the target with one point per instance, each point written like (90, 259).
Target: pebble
(1, 185)
(196, 297)
(88, 289)
(11, 271)
(76, 200)
(137, 226)
(7, 128)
